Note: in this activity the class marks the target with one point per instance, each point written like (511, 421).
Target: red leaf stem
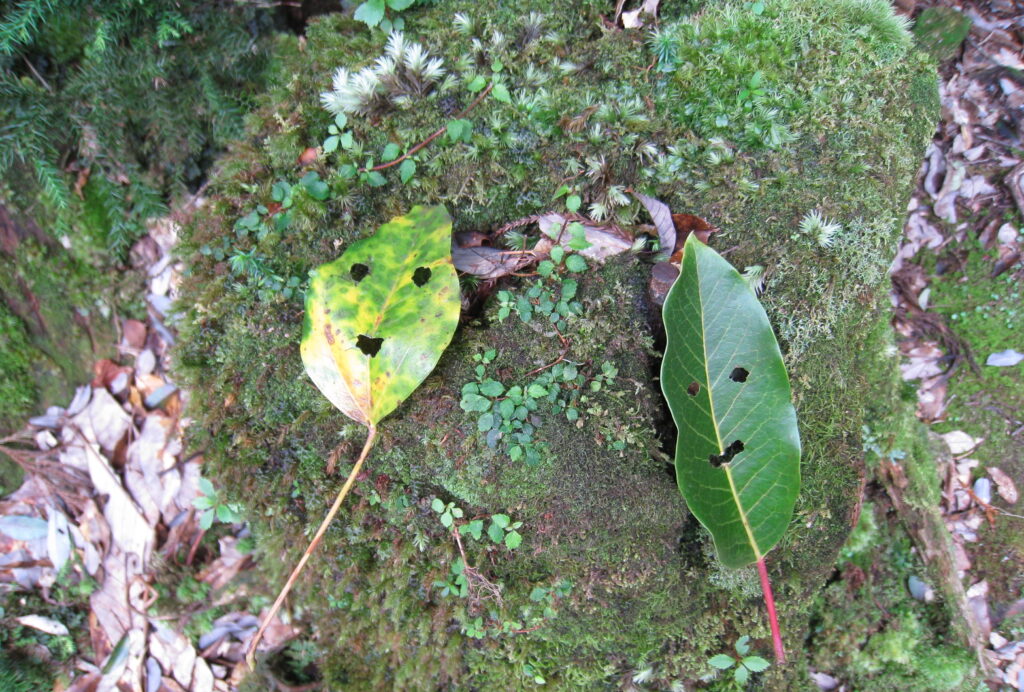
(773, 619)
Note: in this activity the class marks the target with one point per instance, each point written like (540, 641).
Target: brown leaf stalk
(250, 656)
(432, 137)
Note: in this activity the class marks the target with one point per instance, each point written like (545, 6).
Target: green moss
(984, 312)
(17, 387)
(941, 30)
(601, 510)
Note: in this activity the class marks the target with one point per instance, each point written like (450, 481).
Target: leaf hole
(359, 272)
(739, 375)
(369, 345)
(693, 389)
(421, 276)
(725, 457)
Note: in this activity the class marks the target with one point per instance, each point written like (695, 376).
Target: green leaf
(557, 253)
(495, 533)
(399, 5)
(742, 675)
(513, 540)
(331, 144)
(576, 263)
(406, 170)
(206, 487)
(722, 661)
(756, 664)
(206, 520)
(573, 202)
(437, 505)
(379, 317)
(738, 449)
(500, 93)
(375, 179)
(370, 12)
(476, 84)
(390, 153)
(501, 520)
(742, 645)
(492, 388)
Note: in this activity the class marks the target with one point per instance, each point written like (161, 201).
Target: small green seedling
(213, 509)
(449, 512)
(743, 664)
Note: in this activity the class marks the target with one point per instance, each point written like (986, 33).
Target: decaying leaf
(661, 216)
(489, 262)
(379, 317)
(1005, 486)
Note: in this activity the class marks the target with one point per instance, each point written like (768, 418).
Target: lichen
(601, 510)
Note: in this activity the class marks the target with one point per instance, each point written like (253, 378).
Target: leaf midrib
(714, 418)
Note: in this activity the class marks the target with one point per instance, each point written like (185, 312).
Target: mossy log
(752, 121)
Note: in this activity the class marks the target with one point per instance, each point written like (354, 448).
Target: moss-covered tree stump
(756, 122)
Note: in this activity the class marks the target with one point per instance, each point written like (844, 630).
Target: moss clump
(17, 388)
(613, 576)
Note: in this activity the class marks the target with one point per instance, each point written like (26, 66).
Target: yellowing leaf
(379, 317)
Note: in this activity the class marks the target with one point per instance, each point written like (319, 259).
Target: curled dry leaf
(661, 216)
(489, 262)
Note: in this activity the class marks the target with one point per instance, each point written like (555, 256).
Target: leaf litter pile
(110, 501)
(970, 194)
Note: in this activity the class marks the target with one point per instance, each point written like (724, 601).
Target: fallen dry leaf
(308, 156)
(1005, 486)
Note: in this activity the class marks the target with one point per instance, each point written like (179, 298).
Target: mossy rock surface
(749, 120)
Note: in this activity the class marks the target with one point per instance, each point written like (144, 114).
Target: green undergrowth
(57, 320)
(986, 401)
(866, 628)
(612, 577)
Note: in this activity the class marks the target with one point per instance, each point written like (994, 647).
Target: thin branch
(432, 137)
(250, 656)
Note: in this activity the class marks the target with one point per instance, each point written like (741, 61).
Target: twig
(432, 137)
(250, 656)
(773, 619)
(38, 76)
(556, 361)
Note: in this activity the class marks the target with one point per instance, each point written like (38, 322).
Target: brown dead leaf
(308, 156)
(686, 224)
(106, 371)
(489, 262)
(663, 220)
(133, 334)
(1005, 486)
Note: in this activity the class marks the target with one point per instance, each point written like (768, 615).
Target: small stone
(919, 589)
(983, 490)
(997, 641)
(1006, 234)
